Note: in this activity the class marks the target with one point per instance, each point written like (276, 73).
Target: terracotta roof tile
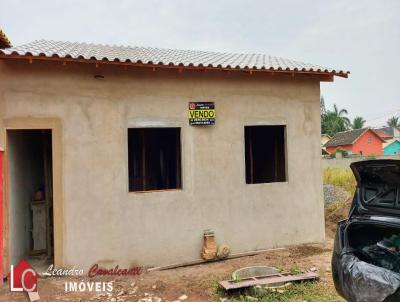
(388, 130)
(383, 133)
(158, 56)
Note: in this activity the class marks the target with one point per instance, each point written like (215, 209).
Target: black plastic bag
(364, 282)
(378, 256)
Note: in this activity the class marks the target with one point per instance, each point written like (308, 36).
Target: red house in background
(359, 141)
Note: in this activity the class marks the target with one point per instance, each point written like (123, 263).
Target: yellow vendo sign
(210, 113)
(201, 113)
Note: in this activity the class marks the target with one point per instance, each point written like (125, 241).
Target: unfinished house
(126, 155)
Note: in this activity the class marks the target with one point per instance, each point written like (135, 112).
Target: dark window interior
(154, 159)
(265, 154)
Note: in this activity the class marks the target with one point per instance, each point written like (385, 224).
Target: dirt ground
(199, 282)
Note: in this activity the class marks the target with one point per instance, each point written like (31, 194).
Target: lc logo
(23, 278)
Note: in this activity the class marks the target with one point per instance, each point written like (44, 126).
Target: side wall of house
(392, 149)
(369, 144)
(344, 147)
(104, 223)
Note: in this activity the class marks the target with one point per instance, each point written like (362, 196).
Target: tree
(340, 114)
(358, 123)
(334, 121)
(394, 121)
(322, 106)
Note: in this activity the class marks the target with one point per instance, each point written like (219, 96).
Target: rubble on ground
(334, 194)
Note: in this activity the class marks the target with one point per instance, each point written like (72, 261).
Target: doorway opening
(30, 197)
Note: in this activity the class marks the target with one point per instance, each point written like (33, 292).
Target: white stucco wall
(104, 223)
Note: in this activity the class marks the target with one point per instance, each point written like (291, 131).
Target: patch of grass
(334, 207)
(216, 290)
(342, 178)
(296, 270)
(321, 290)
(298, 292)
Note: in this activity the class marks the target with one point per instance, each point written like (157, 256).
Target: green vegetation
(358, 122)
(310, 291)
(216, 290)
(394, 121)
(296, 270)
(342, 152)
(334, 121)
(342, 178)
(298, 292)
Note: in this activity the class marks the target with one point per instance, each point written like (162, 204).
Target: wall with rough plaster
(104, 223)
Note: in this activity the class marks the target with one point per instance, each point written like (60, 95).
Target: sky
(362, 37)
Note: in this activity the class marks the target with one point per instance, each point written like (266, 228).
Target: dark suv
(366, 255)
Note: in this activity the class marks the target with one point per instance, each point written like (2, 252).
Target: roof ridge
(352, 130)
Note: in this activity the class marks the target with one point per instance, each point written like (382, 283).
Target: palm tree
(334, 121)
(340, 115)
(393, 121)
(358, 122)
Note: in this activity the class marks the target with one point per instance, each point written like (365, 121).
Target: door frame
(30, 123)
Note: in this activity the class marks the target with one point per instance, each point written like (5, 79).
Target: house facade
(391, 147)
(104, 136)
(365, 142)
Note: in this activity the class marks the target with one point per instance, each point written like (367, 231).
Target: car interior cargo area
(377, 244)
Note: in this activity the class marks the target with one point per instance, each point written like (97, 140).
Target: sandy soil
(196, 282)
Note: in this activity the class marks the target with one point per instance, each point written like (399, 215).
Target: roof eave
(324, 76)
(337, 145)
